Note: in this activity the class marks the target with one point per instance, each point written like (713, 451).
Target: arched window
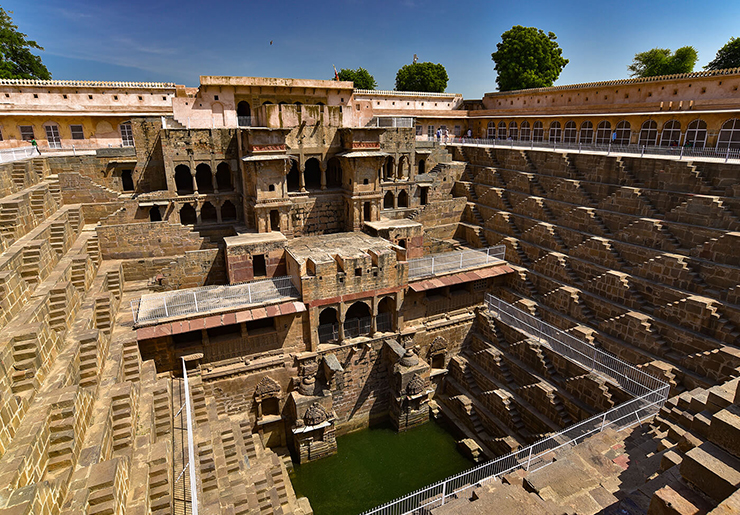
(603, 133)
(623, 133)
(388, 168)
(154, 214)
(187, 215)
(293, 177)
(127, 134)
(570, 134)
(334, 173)
(388, 200)
(555, 132)
(491, 130)
(223, 177)
(183, 180)
(403, 199)
(228, 211)
(696, 134)
(403, 167)
(648, 133)
(328, 325)
(312, 174)
(729, 135)
(244, 114)
(384, 319)
(513, 132)
(501, 130)
(358, 320)
(208, 213)
(538, 132)
(670, 136)
(587, 133)
(526, 133)
(204, 178)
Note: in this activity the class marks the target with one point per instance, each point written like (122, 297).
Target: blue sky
(166, 40)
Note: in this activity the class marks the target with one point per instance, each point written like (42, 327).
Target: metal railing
(391, 122)
(358, 326)
(328, 333)
(384, 322)
(190, 486)
(15, 154)
(244, 121)
(355, 327)
(541, 453)
(455, 260)
(178, 303)
(679, 153)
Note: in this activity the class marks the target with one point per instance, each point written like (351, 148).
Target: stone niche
(310, 414)
(410, 387)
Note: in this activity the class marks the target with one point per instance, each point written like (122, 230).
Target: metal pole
(727, 156)
(164, 301)
(195, 299)
(191, 446)
(444, 491)
(529, 460)
(681, 155)
(603, 421)
(432, 265)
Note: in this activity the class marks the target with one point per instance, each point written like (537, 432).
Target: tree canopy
(661, 61)
(527, 58)
(427, 77)
(727, 57)
(16, 59)
(361, 77)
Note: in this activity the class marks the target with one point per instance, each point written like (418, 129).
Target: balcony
(448, 262)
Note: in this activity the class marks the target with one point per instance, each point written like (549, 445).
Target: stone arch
(388, 200)
(187, 215)
(491, 132)
(154, 214)
(228, 211)
(437, 353)
(358, 319)
(513, 131)
(312, 174)
(587, 133)
(183, 180)
(223, 177)
(696, 134)
(388, 167)
(208, 213)
(501, 130)
(670, 135)
(603, 132)
(293, 177)
(729, 134)
(403, 199)
(624, 133)
(328, 325)
(386, 309)
(243, 108)
(538, 131)
(217, 111)
(204, 178)
(525, 131)
(648, 133)
(267, 395)
(570, 133)
(555, 132)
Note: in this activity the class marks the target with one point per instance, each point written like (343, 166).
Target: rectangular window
(127, 135)
(52, 136)
(26, 132)
(77, 132)
(419, 130)
(430, 131)
(259, 267)
(458, 130)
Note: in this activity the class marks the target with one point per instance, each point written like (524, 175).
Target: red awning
(460, 277)
(218, 319)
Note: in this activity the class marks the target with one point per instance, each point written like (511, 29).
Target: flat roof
(251, 238)
(222, 80)
(389, 224)
(325, 246)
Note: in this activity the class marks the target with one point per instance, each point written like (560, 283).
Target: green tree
(16, 59)
(727, 57)
(527, 58)
(427, 77)
(361, 77)
(660, 61)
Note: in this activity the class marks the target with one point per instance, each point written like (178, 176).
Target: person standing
(439, 134)
(35, 145)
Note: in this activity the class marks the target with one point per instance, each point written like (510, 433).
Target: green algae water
(377, 465)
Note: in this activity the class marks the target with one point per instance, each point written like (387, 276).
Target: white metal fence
(14, 154)
(153, 307)
(391, 122)
(679, 153)
(651, 397)
(189, 483)
(455, 260)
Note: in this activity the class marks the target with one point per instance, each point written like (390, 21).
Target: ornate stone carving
(438, 346)
(315, 414)
(268, 387)
(307, 386)
(415, 386)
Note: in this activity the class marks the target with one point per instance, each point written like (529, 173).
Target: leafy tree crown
(16, 59)
(661, 61)
(526, 58)
(727, 57)
(361, 77)
(426, 77)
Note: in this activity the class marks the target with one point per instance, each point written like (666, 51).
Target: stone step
(712, 470)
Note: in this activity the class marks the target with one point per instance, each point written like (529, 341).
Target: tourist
(35, 145)
(439, 134)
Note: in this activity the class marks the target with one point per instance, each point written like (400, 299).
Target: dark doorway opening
(187, 215)
(127, 181)
(274, 220)
(259, 267)
(154, 214)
